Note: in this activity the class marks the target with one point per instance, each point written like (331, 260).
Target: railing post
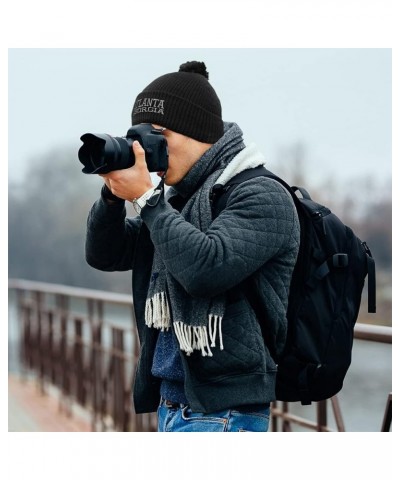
(96, 369)
(51, 357)
(26, 340)
(95, 316)
(63, 305)
(337, 413)
(286, 427)
(78, 362)
(387, 418)
(322, 417)
(274, 418)
(40, 341)
(120, 413)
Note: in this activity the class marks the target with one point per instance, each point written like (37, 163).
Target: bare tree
(47, 224)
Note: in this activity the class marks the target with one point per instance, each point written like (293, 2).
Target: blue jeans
(180, 418)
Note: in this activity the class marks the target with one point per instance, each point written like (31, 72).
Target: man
(203, 362)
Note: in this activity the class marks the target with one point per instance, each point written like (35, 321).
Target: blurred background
(322, 117)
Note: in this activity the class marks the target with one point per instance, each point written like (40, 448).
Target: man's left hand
(133, 182)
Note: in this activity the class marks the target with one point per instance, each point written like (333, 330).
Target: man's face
(183, 154)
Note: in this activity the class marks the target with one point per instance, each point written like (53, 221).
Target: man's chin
(167, 179)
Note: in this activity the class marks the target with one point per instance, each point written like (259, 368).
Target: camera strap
(158, 190)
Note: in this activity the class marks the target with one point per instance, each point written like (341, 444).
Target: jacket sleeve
(256, 224)
(111, 237)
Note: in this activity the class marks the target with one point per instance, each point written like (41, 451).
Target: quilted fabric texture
(258, 224)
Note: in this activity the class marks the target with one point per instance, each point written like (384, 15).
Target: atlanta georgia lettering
(154, 105)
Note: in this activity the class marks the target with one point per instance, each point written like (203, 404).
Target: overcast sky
(336, 101)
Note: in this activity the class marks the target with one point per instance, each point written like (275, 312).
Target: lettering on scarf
(149, 105)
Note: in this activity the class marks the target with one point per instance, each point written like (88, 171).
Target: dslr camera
(102, 153)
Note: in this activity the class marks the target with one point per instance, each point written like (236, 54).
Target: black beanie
(184, 102)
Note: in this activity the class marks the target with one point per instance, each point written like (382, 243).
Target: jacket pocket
(243, 347)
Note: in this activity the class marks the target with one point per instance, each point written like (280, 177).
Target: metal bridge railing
(92, 360)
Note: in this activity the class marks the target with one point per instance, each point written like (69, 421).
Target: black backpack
(324, 298)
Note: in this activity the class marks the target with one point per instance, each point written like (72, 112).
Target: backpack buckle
(340, 260)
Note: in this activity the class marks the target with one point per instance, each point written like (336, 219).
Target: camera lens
(102, 153)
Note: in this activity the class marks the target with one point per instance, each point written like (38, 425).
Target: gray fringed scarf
(196, 321)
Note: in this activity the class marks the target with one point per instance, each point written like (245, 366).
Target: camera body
(102, 153)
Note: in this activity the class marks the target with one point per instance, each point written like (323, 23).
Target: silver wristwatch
(139, 203)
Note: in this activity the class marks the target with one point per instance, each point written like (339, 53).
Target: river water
(366, 387)
(362, 399)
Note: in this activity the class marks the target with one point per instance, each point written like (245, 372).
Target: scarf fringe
(192, 338)
(157, 313)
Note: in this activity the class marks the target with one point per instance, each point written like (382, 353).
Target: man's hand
(132, 182)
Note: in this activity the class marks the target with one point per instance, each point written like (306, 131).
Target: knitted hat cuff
(178, 115)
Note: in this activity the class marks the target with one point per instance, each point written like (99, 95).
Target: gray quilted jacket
(257, 237)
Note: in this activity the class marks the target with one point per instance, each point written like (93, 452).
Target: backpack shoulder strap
(371, 279)
(219, 194)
